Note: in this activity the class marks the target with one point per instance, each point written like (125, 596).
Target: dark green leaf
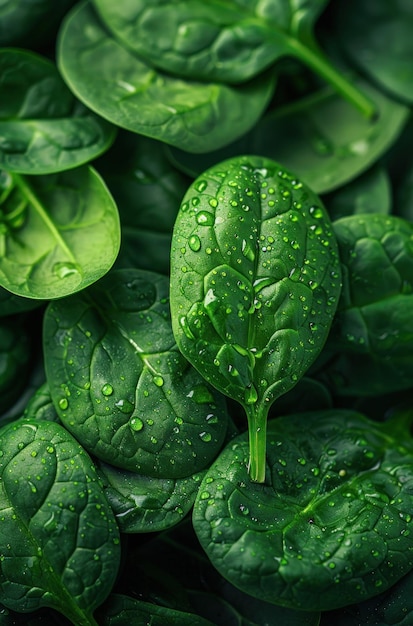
(196, 116)
(15, 355)
(40, 405)
(377, 36)
(255, 280)
(59, 545)
(306, 138)
(145, 504)
(332, 524)
(371, 340)
(120, 384)
(43, 129)
(121, 610)
(58, 233)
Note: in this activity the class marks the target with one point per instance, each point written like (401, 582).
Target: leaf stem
(257, 430)
(320, 64)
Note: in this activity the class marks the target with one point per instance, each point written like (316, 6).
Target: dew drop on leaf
(194, 243)
(205, 436)
(124, 406)
(158, 380)
(63, 404)
(107, 389)
(136, 424)
(204, 218)
(65, 269)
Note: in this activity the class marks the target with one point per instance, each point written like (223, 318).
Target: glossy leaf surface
(307, 139)
(145, 504)
(43, 129)
(59, 233)
(194, 115)
(228, 41)
(371, 339)
(55, 522)
(255, 280)
(363, 27)
(120, 384)
(24, 23)
(331, 526)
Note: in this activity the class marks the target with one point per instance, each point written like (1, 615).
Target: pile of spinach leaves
(206, 287)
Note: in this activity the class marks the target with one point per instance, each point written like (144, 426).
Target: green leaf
(58, 233)
(228, 41)
(304, 136)
(362, 29)
(59, 545)
(43, 129)
(121, 610)
(196, 116)
(371, 339)
(40, 406)
(120, 384)
(255, 280)
(145, 504)
(332, 524)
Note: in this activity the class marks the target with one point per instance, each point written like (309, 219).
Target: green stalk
(257, 431)
(320, 64)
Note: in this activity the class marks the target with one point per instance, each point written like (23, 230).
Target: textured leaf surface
(56, 524)
(145, 504)
(58, 233)
(255, 280)
(120, 384)
(371, 338)
(196, 116)
(332, 524)
(43, 129)
(229, 41)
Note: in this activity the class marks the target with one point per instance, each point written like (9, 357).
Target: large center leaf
(255, 279)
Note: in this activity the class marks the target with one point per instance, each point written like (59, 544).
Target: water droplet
(244, 509)
(183, 322)
(65, 269)
(247, 250)
(201, 185)
(213, 202)
(316, 212)
(158, 380)
(107, 389)
(136, 424)
(205, 495)
(63, 404)
(202, 395)
(204, 218)
(194, 243)
(124, 406)
(205, 436)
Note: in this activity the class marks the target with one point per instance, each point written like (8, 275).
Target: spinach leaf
(56, 524)
(371, 339)
(59, 233)
(145, 504)
(120, 384)
(194, 115)
(121, 610)
(363, 27)
(255, 280)
(43, 129)
(332, 524)
(40, 406)
(305, 137)
(228, 41)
